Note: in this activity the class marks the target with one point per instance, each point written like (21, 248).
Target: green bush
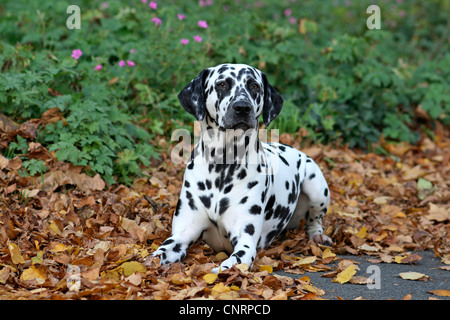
(340, 80)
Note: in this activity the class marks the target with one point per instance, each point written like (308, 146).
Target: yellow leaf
(400, 215)
(305, 261)
(144, 253)
(243, 267)
(345, 275)
(180, 279)
(362, 233)
(210, 278)
(4, 274)
(411, 275)
(60, 247)
(219, 289)
(305, 279)
(327, 253)
(311, 288)
(14, 251)
(128, 268)
(441, 292)
(269, 269)
(55, 228)
(221, 256)
(33, 273)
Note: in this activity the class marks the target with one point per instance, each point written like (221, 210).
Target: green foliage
(33, 166)
(339, 80)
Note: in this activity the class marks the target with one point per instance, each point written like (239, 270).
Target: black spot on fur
(312, 176)
(177, 210)
(233, 241)
(242, 174)
(325, 192)
(201, 186)
(168, 241)
(206, 201)
(228, 188)
(270, 236)
(244, 200)
(283, 159)
(255, 209)
(251, 184)
(293, 195)
(191, 202)
(224, 203)
(239, 254)
(250, 229)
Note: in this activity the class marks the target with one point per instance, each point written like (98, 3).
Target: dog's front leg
(244, 241)
(187, 226)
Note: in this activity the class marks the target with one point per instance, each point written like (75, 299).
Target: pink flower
(98, 67)
(184, 41)
(181, 16)
(202, 24)
(292, 20)
(121, 63)
(153, 5)
(205, 3)
(197, 38)
(287, 12)
(157, 21)
(144, 1)
(132, 50)
(76, 54)
(130, 63)
(105, 5)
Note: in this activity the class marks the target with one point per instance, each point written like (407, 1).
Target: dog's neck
(227, 146)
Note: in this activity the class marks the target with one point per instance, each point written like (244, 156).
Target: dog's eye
(221, 84)
(254, 86)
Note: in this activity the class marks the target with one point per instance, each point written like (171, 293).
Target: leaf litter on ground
(69, 235)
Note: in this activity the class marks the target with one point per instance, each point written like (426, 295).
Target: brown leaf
(438, 213)
(28, 129)
(15, 163)
(441, 292)
(411, 258)
(37, 151)
(54, 179)
(7, 125)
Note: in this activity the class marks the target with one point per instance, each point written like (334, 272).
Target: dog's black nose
(242, 108)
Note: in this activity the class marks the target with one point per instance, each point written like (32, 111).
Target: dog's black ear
(192, 97)
(273, 102)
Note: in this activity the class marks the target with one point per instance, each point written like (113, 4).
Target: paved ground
(392, 286)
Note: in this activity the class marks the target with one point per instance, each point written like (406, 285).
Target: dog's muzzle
(240, 115)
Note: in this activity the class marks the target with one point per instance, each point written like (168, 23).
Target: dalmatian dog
(239, 193)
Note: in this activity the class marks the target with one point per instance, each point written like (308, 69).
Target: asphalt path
(389, 285)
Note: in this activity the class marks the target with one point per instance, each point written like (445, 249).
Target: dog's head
(233, 96)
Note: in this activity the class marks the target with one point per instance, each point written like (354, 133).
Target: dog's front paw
(322, 239)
